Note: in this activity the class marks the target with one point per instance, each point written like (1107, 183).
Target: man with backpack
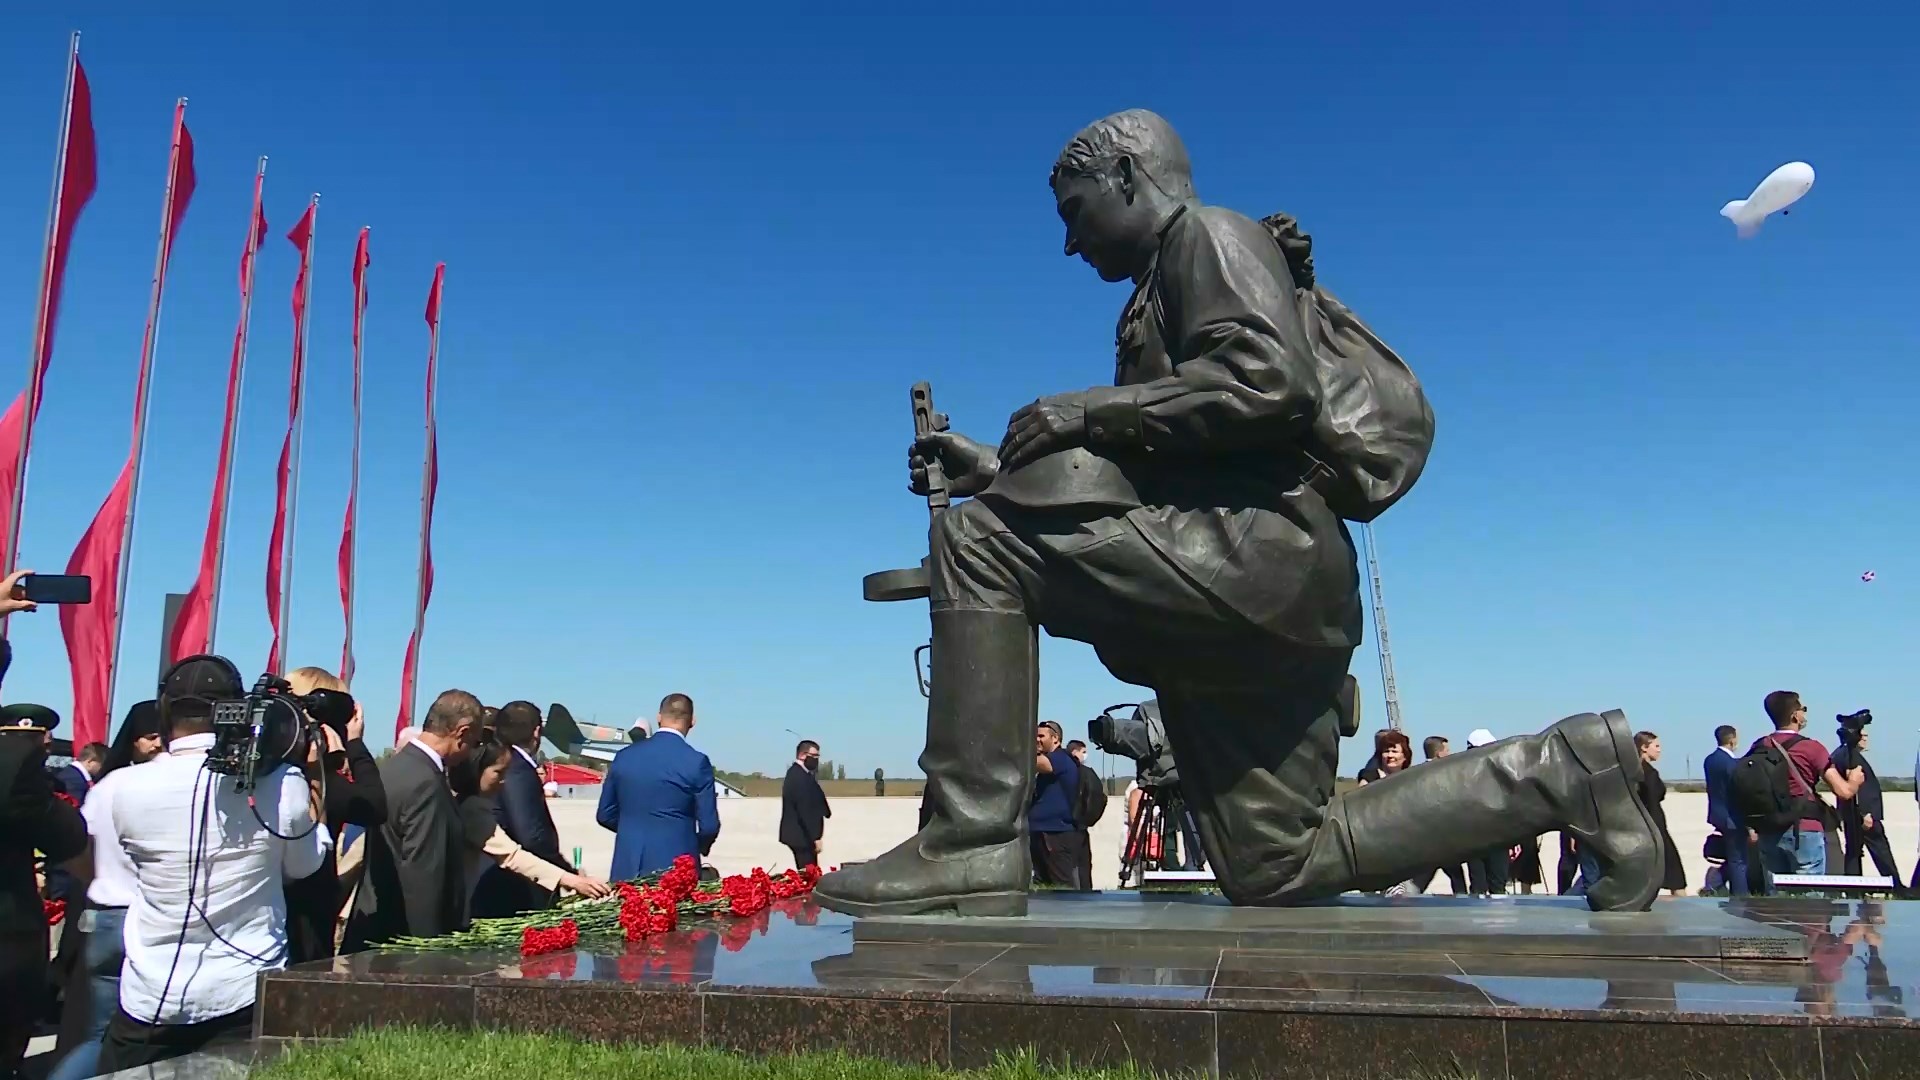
(1089, 804)
(1773, 792)
(1188, 521)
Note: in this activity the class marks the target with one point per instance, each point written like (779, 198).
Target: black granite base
(798, 978)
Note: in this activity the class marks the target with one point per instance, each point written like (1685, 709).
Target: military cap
(25, 717)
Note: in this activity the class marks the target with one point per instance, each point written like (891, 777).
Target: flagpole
(353, 498)
(40, 328)
(143, 394)
(224, 495)
(299, 425)
(427, 467)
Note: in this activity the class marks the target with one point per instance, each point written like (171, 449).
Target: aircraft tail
(562, 731)
(1744, 229)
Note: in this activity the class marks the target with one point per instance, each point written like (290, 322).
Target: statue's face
(1100, 221)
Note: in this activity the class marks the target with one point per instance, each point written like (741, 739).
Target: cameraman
(1862, 817)
(211, 861)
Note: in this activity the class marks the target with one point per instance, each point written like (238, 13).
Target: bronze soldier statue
(1187, 522)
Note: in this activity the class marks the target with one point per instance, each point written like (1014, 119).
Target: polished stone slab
(1503, 926)
(796, 977)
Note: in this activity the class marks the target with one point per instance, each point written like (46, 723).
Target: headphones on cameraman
(238, 682)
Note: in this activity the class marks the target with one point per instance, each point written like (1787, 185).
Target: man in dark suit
(76, 778)
(415, 884)
(1720, 812)
(658, 798)
(803, 806)
(521, 809)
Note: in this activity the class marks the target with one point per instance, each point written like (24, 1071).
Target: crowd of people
(177, 884)
(1772, 822)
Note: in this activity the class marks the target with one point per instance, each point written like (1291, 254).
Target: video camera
(1141, 737)
(273, 726)
(1852, 726)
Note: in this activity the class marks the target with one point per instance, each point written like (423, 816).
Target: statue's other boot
(1582, 774)
(971, 856)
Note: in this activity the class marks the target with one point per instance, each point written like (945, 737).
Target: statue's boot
(971, 856)
(1582, 774)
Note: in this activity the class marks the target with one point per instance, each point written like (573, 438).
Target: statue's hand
(1047, 426)
(970, 466)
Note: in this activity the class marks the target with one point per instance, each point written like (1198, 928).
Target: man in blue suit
(1720, 812)
(658, 799)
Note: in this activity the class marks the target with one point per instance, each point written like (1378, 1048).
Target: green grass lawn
(402, 1054)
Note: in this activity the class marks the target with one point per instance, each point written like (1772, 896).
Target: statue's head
(1114, 185)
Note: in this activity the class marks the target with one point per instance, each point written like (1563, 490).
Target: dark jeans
(130, 1044)
(1056, 859)
(104, 953)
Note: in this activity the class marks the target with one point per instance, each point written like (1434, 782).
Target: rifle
(912, 583)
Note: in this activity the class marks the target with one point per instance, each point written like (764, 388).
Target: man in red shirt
(1802, 849)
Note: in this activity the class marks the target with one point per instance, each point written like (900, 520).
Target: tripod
(1154, 838)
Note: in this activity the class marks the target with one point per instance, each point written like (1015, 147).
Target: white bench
(1835, 882)
(1169, 877)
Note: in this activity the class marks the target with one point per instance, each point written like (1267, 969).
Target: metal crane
(1380, 630)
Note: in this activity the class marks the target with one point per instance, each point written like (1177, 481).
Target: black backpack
(1089, 799)
(1761, 789)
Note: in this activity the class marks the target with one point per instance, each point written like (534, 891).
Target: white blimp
(1783, 187)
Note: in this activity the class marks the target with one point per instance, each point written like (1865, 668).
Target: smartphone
(57, 588)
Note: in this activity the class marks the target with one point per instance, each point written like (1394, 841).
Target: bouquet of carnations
(637, 910)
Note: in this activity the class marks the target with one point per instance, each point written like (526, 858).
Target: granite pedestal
(1362, 988)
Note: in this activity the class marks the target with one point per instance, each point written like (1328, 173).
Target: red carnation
(536, 942)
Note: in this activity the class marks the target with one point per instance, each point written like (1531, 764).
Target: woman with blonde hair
(355, 796)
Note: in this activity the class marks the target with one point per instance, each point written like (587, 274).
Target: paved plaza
(862, 828)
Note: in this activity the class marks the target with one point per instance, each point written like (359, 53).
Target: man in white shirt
(210, 912)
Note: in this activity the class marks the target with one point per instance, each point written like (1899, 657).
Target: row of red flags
(92, 631)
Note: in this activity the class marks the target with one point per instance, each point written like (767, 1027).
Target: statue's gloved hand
(970, 466)
(1047, 426)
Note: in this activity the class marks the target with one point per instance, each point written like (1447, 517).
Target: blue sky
(693, 268)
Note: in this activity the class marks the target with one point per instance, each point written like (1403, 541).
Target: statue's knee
(962, 536)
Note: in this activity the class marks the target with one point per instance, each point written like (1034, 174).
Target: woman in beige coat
(475, 779)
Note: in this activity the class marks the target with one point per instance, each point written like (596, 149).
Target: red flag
(360, 263)
(429, 487)
(77, 174)
(193, 627)
(92, 630)
(278, 553)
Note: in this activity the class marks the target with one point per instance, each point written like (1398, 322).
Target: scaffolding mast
(1380, 630)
